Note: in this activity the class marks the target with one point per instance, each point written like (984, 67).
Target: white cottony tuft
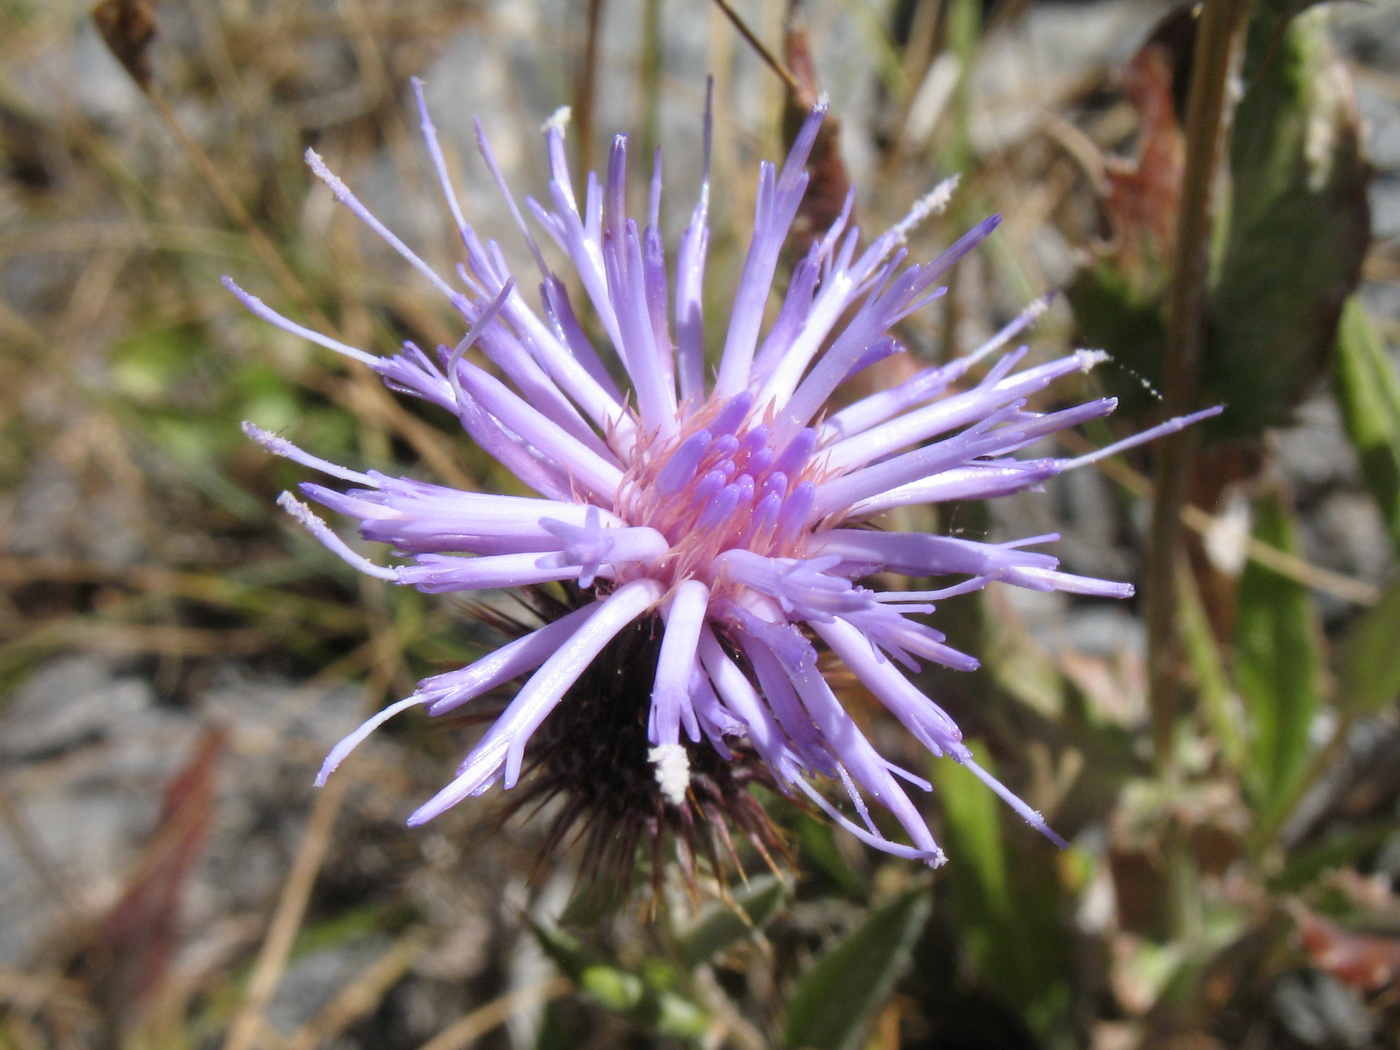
(672, 771)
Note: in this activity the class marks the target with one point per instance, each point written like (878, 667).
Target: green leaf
(822, 853)
(1368, 678)
(839, 996)
(972, 822)
(727, 923)
(1276, 663)
(1368, 391)
(1111, 312)
(645, 1000)
(1296, 225)
(1341, 850)
(565, 951)
(1203, 652)
(1003, 903)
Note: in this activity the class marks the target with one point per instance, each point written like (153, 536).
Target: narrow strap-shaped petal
(448, 573)
(500, 753)
(802, 587)
(739, 695)
(963, 757)
(509, 450)
(953, 412)
(452, 689)
(875, 408)
(430, 137)
(809, 314)
(342, 193)
(999, 433)
(856, 755)
(341, 751)
(559, 310)
(1171, 426)
(779, 195)
(516, 356)
(934, 858)
(627, 288)
(567, 361)
(319, 529)
(260, 309)
(671, 693)
(594, 550)
(280, 446)
(489, 156)
(690, 282)
(591, 471)
(782, 700)
(982, 480)
(922, 554)
(928, 722)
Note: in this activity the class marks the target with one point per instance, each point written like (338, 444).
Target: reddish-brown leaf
(1144, 196)
(131, 946)
(1366, 961)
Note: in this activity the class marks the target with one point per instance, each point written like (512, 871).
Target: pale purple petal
(672, 693)
(341, 751)
(779, 195)
(501, 751)
(451, 689)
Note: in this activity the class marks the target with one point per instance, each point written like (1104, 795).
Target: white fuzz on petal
(672, 771)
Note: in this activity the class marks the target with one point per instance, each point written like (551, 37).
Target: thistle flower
(706, 536)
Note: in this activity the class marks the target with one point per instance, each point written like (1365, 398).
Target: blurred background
(176, 657)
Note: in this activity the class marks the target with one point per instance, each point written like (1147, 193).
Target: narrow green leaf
(618, 990)
(725, 924)
(1368, 391)
(1003, 900)
(1203, 653)
(1346, 849)
(644, 999)
(972, 823)
(1296, 225)
(1368, 677)
(565, 951)
(839, 996)
(822, 853)
(1276, 663)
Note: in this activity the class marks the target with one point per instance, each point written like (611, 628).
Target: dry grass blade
(471, 1027)
(159, 639)
(272, 960)
(16, 823)
(362, 994)
(1280, 561)
(751, 38)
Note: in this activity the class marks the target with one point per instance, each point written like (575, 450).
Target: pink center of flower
(723, 483)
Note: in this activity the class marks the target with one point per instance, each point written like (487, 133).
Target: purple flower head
(706, 533)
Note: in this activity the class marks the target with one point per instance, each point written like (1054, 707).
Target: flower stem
(1215, 57)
